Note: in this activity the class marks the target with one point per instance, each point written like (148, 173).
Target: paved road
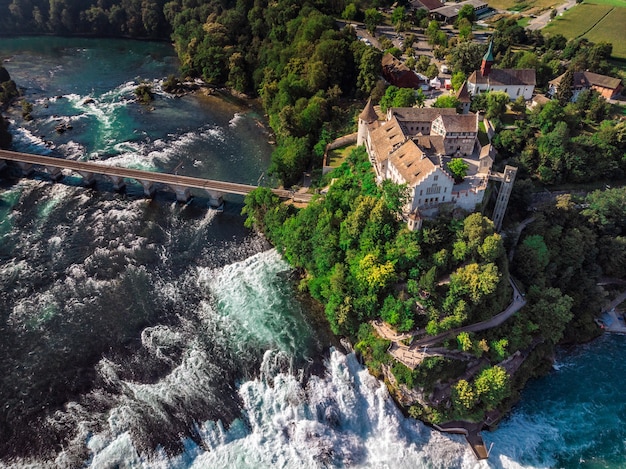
(542, 20)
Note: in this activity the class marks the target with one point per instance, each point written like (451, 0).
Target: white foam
(235, 120)
(24, 140)
(150, 155)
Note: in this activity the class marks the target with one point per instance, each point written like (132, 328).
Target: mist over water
(146, 333)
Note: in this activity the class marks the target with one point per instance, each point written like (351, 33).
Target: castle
(414, 146)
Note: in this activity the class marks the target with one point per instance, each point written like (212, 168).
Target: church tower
(485, 66)
(367, 116)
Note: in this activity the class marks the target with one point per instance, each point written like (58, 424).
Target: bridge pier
(118, 182)
(183, 194)
(54, 172)
(216, 199)
(27, 168)
(148, 188)
(89, 179)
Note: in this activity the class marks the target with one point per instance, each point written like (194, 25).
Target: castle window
(436, 177)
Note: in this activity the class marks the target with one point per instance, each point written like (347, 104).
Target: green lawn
(613, 3)
(578, 20)
(612, 28)
(339, 155)
(523, 21)
(600, 20)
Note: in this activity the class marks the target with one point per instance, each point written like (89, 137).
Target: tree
(465, 30)
(397, 97)
(464, 396)
(446, 100)
(467, 12)
(256, 204)
(373, 274)
(564, 91)
(477, 281)
(458, 167)
(496, 104)
(349, 13)
(519, 105)
(290, 159)
(476, 229)
(464, 340)
(398, 16)
(432, 71)
(498, 349)
(492, 248)
(531, 259)
(372, 19)
(550, 310)
(457, 80)
(422, 63)
(395, 195)
(369, 68)
(492, 386)
(436, 36)
(420, 98)
(466, 57)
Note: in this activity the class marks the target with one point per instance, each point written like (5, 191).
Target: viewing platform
(180, 185)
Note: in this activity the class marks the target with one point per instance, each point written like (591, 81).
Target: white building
(514, 82)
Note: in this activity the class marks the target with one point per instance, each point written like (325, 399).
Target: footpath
(413, 355)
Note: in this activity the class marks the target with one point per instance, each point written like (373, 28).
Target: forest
(361, 262)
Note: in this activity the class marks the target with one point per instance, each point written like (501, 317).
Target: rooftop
(504, 77)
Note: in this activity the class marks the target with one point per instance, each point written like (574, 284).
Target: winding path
(413, 355)
(517, 304)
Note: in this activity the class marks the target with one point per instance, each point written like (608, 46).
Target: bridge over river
(181, 185)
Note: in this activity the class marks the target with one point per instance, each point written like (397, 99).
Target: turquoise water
(574, 417)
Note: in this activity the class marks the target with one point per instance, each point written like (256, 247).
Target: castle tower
(464, 98)
(485, 66)
(502, 201)
(367, 116)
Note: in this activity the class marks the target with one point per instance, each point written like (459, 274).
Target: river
(147, 333)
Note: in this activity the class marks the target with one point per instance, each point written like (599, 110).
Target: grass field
(578, 20)
(612, 28)
(602, 20)
(613, 3)
(523, 5)
(338, 156)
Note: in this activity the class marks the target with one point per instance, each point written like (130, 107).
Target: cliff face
(8, 91)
